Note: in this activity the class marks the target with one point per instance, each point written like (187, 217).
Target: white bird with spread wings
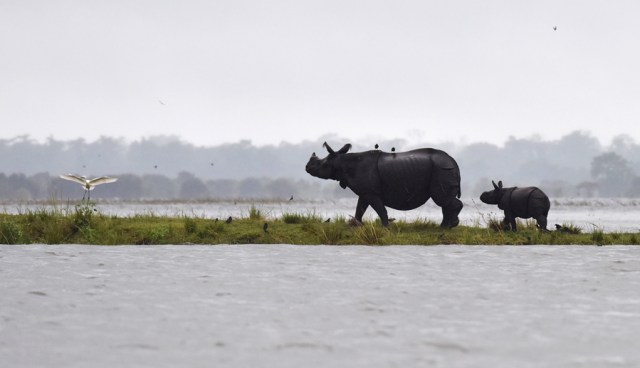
(88, 184)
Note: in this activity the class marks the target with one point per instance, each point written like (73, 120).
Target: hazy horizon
(331, 138)
(268, 72)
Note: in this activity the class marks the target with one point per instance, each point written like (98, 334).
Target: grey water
(608, 215)
(319, 306)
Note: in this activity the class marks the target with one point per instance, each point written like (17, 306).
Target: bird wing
(75, 178)
(102, 180)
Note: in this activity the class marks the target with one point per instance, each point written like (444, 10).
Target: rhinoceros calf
(529, 202)
(400, 180)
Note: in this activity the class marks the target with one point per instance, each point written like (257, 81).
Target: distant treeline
(166, 167)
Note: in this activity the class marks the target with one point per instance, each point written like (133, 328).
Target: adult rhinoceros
(402, 180)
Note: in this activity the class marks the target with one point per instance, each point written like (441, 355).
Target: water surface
(319, 306)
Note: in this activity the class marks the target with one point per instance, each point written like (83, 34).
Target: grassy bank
(83, 224)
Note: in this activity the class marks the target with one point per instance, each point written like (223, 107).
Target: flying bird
(291, 198)
(555, 28)
(88, 184)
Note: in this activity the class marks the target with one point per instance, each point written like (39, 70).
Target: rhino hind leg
(445, 197)
(542, 222)
(450, 213)
(444, 189)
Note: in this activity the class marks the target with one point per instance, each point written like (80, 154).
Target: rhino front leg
(381, 210)
(361, 207)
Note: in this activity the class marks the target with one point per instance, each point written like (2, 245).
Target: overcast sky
(270, 71)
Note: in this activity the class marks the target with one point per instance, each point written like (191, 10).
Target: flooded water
(319, 306)
(609, 215)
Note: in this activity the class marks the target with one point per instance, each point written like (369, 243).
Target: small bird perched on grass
(265, 227)
(228, 221)
(88, 184)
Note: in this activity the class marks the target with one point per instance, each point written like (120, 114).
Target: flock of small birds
(90, 184)
(265, 227)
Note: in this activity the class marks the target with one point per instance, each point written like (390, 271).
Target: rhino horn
(329, 149)
(345, 148)
(313, 155)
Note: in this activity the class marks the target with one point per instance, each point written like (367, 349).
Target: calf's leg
(509, 222)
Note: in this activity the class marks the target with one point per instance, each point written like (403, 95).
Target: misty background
(227, 99)
(214, 72)
(166, 167)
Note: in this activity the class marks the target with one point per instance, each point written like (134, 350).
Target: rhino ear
(500, 184)
(329, 149)
(494, 184)
(345, 148)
